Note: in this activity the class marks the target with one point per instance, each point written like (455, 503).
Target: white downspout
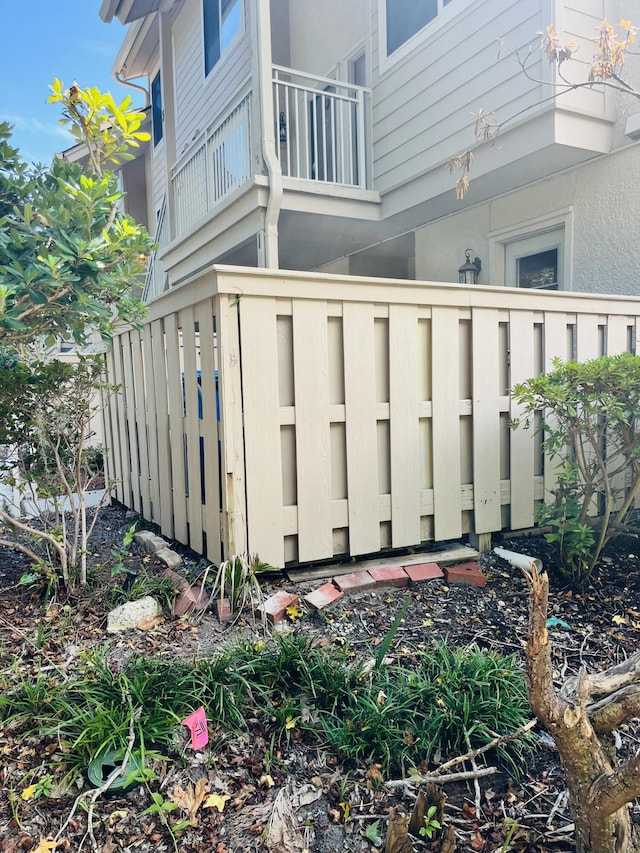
(274, 170)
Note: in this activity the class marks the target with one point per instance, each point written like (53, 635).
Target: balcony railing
(214, 168)
(320, 128)
(155, 280)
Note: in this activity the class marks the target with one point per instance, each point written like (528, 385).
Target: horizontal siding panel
(434, 143)
(415, 123)
(200, 101)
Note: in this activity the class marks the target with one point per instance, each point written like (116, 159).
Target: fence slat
(191, 428)
(140, 414)
(110, 414)
(486, 420)
(361, 428)
(311, 378)
(176, 427)
(587, 338)
(160, 385)
(263, 451)
(404, 425)
(445, 336)
(124, 487)
(152, 428)
(617, 335)
(523, 446)
(555, 345)
(211, 509)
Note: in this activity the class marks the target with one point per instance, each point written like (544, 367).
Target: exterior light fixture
(470, 269)
(283, 128)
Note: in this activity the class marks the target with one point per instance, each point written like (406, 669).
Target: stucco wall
(604, 198)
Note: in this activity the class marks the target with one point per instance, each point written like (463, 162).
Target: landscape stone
(148, 542)
(168, 557)
(128, 615)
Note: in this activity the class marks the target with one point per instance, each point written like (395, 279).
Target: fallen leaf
(620, 620)
(148, 623)
(294, 612)
(46, 845)
(190, 799)
(218, 801)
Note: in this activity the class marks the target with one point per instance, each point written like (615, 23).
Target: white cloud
(28, 124)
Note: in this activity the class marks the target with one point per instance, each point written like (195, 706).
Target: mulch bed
(602, 627)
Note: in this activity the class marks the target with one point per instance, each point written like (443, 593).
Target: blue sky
(43, 39)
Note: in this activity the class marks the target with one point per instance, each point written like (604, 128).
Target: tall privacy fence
(304, 416)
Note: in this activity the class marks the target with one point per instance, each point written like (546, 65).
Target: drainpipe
(124, 82)
(269, 253)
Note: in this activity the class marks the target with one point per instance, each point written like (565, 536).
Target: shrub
(591, 430)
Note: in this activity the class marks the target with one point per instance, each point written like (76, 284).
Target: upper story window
(156, 109)
(404, 18)
(222, 23)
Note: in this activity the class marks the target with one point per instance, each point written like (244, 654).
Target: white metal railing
(218, 164)
(155, 279)
(320, 127)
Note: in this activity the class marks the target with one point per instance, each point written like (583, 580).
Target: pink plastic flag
(197, 725)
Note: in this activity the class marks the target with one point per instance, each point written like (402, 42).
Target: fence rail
(317, 416)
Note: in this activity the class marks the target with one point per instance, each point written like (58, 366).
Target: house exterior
(308, 135)
(312, 379)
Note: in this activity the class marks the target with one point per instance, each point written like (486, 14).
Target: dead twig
(462, 776)
(476, 753)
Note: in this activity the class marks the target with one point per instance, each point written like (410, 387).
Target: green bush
(591, 430)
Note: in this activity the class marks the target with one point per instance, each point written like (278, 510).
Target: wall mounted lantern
(470, 269)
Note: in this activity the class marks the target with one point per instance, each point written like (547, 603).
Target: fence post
(232, 473)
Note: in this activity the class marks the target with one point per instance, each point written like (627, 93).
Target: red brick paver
(465, 574)
(324, 596)
(223, 609)
(424, 572)
(390, 576)
(276, 605)
(354, 582)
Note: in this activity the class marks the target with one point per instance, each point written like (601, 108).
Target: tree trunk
(599, 790)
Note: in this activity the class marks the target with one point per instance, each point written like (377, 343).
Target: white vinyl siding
(422, 105)
(200, 101)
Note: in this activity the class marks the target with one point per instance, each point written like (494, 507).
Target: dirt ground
(594, 629)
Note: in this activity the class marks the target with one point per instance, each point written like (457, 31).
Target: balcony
(218, 164)
(320, 127)
(321, 139)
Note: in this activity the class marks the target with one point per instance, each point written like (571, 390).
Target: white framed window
(222, 22)
(405, 24)
(534, 255)
(535, 262)
(405, 18)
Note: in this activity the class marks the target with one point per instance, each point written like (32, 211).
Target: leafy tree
(606, 69)
(69, 258)
(46, 410)
(68, 255)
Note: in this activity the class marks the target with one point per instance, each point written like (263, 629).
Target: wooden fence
(304, 416)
